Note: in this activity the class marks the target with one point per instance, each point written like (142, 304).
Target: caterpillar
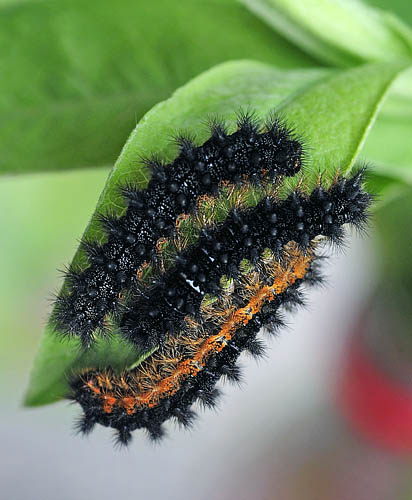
(162, 308)
(255, 152)
(196, 346)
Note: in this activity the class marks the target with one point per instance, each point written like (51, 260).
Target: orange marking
(108, 403)
(127, 404)
(91, 386)
(297, 269)
(225, 184)
(160, 243)
(139, 272)
(205, 199)
(180, 218)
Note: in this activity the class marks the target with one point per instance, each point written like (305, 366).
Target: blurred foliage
(394, 228)
(79, 75)
(34, 243)
(402, 8)
(391, 310)
(96, 67)
(341, 33)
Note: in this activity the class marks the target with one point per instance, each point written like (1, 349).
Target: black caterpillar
(201, 388)
(200, 341)
(251, 154)
(162, 308)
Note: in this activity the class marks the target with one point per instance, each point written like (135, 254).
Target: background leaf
(345, 33)
(389, 148)
(77, 76)
(339, 32)
(400, 7)
(333, 109)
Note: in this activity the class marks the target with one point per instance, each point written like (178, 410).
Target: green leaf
(338, 32)
(77, 76)
(334, 110)
(389, 189)
(395, 237)
(388, 147)
(400, 7)
(344, 33)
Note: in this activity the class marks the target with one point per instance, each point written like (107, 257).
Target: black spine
(245, 234)
(201, 388)
(173, 189)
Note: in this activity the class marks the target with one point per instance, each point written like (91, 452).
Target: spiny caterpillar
(270, 252)
(162, 308)
(187, 366)
(252, 154)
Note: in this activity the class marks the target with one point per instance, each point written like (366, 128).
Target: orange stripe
(214, 344)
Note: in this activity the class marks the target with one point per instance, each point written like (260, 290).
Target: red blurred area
(375, 404)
